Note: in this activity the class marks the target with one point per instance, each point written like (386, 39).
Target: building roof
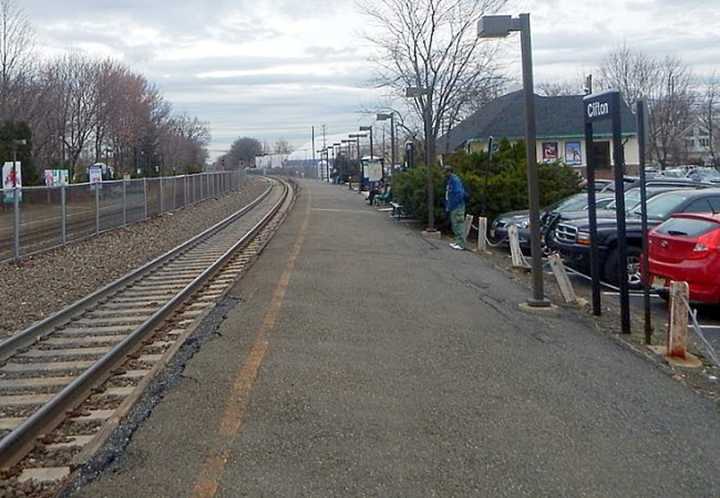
(504, 117)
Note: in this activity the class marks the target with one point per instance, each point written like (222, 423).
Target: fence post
(566, 288)
(16, 221)
(482, 234)
(677, 332)
(515, 250)
(145, 196)
(174, 195)
(97, 207)
(124, 193)
(63, 214)
(162, 196)
(467, 226)
(185, 190)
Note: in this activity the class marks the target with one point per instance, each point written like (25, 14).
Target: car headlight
(524, 224)
(583, 238)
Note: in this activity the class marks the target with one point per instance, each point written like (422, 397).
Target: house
(699, 144)
(560, 131)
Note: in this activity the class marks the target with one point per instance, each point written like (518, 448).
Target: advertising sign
(56, 177)
(12, 177)
(550, 151)
(573, 153)
(95, 174)
(373, 171)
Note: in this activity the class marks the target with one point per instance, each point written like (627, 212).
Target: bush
(494, 187)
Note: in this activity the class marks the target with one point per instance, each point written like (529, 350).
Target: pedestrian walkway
(362, 360)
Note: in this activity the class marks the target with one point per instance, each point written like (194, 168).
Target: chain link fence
(35, 219)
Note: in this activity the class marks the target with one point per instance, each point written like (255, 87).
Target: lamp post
(369, 129)
(501, 27)
(348, 142)
(391, 117)
(418, 93)
(357, 137)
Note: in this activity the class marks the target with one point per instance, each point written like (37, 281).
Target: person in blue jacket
(455, 197)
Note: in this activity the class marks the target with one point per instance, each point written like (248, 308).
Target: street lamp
(417, 93)
(500, 27)
(391, 117)
(357, 137)
(370, 130)
(321, 152)
(348, 142)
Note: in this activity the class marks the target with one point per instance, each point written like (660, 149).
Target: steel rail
(16, 444)
(38, 330)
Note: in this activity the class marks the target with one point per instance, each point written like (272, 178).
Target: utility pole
(324, 148)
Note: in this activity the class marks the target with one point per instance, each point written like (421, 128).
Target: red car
(687, 248)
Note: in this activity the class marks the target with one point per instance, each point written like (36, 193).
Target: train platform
(358, 359)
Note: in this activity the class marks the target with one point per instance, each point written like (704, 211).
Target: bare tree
(666, 84)
(634, 73)
(431, 44)
(282, 146)
(671, 104)
(16, 46)
(243, 151)
(709, 112)
(558, 88)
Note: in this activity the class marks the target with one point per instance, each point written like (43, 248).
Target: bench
(381, 199)
(398, 211)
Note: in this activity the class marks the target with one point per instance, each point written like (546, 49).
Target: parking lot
(672, 200)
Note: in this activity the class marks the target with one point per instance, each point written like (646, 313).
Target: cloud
(272, 68)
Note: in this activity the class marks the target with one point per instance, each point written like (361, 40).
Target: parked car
(572, 237)
(632, 200)
(687, 248)
(704, 174)
(521, 219)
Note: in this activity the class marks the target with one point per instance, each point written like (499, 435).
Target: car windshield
(674, 173)
(663, 205)
(577, 202)
(632, 199)
(687, 227)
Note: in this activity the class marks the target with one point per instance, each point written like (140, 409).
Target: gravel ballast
(44, 284)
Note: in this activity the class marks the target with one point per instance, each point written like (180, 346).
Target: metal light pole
(391, 117)
(348, 142)
(370, 130)
(500, 27)
(357, 137)
(418, 94)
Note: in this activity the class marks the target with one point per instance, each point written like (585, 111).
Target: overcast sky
(273, 68)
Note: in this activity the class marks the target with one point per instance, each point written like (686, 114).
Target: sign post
(645, 270)
(602, 107)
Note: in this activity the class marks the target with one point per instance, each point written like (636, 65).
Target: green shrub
(495, 187)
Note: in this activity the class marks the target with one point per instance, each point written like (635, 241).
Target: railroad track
(65, 378)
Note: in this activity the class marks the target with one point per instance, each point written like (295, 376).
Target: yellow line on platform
(236, 405)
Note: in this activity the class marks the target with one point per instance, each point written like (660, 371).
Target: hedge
(495, 187)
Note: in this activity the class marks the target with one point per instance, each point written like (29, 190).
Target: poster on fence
(95, 174)
(56, 177)
(12, 177)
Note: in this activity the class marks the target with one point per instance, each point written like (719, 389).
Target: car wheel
(633, 265)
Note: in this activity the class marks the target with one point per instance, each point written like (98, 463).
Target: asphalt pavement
(358, 359)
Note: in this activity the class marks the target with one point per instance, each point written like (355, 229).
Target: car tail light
(706, 244)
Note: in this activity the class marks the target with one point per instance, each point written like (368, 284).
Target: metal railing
(36, 219)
